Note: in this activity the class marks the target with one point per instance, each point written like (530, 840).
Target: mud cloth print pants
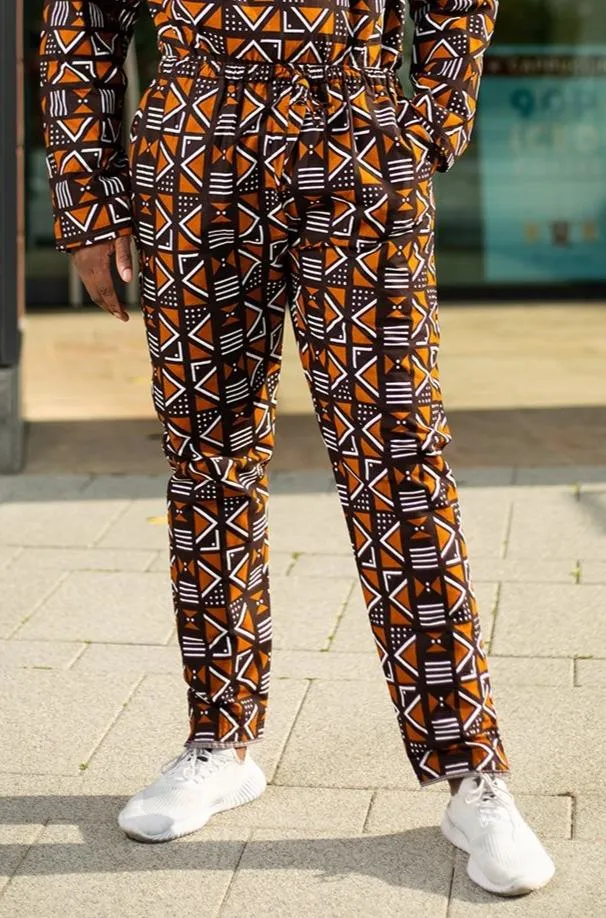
(261, 188)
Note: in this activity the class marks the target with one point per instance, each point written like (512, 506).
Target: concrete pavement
(92, 696)
(93, 703)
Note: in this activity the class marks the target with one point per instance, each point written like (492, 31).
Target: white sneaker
(191, 789)
(505, 855)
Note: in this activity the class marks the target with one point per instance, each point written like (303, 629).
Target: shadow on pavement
(418, 858)
(545, 437)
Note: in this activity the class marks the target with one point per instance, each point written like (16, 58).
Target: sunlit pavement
(94, 701)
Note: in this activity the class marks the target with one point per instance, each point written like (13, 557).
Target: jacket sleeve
(449, 42)
(82, 51)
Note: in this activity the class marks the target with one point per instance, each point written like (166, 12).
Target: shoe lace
(494, 801)
(192, 764)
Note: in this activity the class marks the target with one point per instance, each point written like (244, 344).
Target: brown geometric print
(304, 183)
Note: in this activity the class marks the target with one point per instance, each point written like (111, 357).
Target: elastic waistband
(196, 63)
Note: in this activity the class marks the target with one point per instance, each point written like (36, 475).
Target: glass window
(526, 206)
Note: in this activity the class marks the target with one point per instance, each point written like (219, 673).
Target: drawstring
(299, 98)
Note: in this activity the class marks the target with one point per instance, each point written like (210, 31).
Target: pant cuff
(219, 744)
(425, 782)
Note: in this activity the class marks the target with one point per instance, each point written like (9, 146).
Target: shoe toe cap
(514, 866)
(148, 826)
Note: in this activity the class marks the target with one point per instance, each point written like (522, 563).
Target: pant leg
(366, 319)
(213, 299)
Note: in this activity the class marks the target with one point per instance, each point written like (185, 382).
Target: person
(276, 164)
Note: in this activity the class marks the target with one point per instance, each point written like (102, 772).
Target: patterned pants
(260, 188)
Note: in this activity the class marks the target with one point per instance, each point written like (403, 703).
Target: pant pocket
(415, 132)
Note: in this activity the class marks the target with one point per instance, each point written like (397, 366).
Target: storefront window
(525, 208)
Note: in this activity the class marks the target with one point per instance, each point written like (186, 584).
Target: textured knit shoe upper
(189, 790)
(505, 854)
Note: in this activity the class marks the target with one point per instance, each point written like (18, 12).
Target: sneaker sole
(519, 886)
(252, 788)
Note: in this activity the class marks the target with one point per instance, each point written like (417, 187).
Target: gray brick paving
(555, 619)
(592, 572)
(340, 876)
(591, 672)
(21, 596)
(103, 606)
(39, 654)
(98, 871)
(57, 524)
(578, 888)
(53, 721)
(306, 611)
(558, 525)
(82, 559)
(93, 702)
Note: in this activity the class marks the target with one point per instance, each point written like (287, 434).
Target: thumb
(124, 262)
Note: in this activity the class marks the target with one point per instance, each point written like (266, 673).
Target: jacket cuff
(93, 221)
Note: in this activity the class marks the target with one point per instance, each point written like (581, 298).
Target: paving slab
(577, 888)
(353, 632)
(59, 523)
(292, 874)
(52, 721)
(38, 799)
(38, 654)
(126, 487)
(308, 523)
(479, 476)
(397, 811)
(8, 554)
(324, 565)
(314, 481)
(581, 475)
(310, 809)
(590, 672)
(142, 524)
(520, 570)
(531, 671)
(98, 871)
(562, 525)
(82, 559)
(280, 563)
(309, 664)
(305, 612)
(551, 619)
(590, 816)
(339, 666)
(105, 606)
(15, 840)
(153, 727)
(592, 572)
(21, 596)
(354, 727)
(485, 513)
(349, 728)
(133, 658)
(543, 728)
(29, 488)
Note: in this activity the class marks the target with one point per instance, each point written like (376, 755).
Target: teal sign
(542, 142)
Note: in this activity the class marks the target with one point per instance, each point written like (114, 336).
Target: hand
(93, 265)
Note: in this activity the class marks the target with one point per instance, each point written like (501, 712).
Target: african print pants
(265, 188)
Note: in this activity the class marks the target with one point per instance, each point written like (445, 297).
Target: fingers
(124, 261)
(93, 264)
